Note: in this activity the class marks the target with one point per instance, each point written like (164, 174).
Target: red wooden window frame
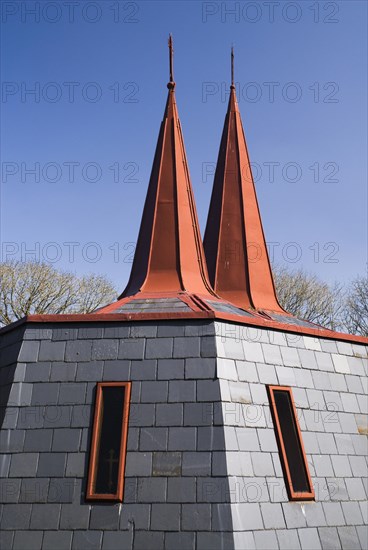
(293, 495)
(96, 432)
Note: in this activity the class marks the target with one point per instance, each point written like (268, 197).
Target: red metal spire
(234, 242)
(169, 256)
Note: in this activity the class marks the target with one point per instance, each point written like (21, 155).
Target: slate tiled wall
(202, 465)
(168, 500)
(329, 381)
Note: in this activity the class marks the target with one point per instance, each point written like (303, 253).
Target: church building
(194, 412)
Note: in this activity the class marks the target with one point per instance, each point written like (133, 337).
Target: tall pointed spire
(169, 256)
(234, 242)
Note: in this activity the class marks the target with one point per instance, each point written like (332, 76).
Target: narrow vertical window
(108, 446)
(290, 443)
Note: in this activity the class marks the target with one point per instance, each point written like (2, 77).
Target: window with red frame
(290, 443)
(108, 446)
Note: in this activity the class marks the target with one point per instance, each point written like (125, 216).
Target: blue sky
(99, 72)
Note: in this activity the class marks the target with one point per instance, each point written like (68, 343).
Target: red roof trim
(195, 315)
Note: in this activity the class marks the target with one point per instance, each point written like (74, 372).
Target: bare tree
(32, 287)
(356, 307)
(309, 298)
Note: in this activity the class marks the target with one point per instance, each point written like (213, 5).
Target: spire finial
(171, 84)
(232, 68)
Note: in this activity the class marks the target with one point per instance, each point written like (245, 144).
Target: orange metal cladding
(234, 242)
(169, 256)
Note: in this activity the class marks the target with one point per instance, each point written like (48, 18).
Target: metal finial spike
(232, 66)
(171, 84)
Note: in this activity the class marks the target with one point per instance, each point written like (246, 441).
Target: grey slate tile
(51, 351)
(142, 415)
(57, 416)
(149, 540)
(166, 464)
(32, 540)
(105, 349)
(9, 490)
(23, 465)
(34, 490)
(119, 539)
(11, 440)
(355, 488)
(215, 541)
(165, 517)
(309, 538)
(45, 516)
(362, 533)
(183, 390)
(72, 393)
(29, 351)
(16, 516)
(170, 369)
(144, 370)
(182, 439)
(352, 513)
(90, 371)
(266, 540)
(74, 517)
(294, 515)
(169, 414)
(138, 464)
(196, 464)
(116, 331)
(51, 465)
(66, 440)
(349, 538)
(45, 393)
(132, 349)
(154, 392)
(64, 333)
(139, 513)
(61, 490)
(341, 465)
(186, 347)
(288, 539)
(153, 439)
(333, 513)
(81, 416)
(20, 394)
(105, 517)
(75, 466)
(329, 538)
(63, 372)
(200, 368)
(90, 332)
(181, 490)
(314, 514)
(159, 348)
(262, 464)
(87, 540)
(272, 515)
(78, 351)
(6, 539)
(179, 541)
(37, 372)
(196, 517)
(198, 414)
(152, 489)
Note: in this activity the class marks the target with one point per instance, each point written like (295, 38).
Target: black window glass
(290, 437)
(108, 452)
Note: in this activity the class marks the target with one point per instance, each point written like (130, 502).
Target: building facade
(194, 412)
